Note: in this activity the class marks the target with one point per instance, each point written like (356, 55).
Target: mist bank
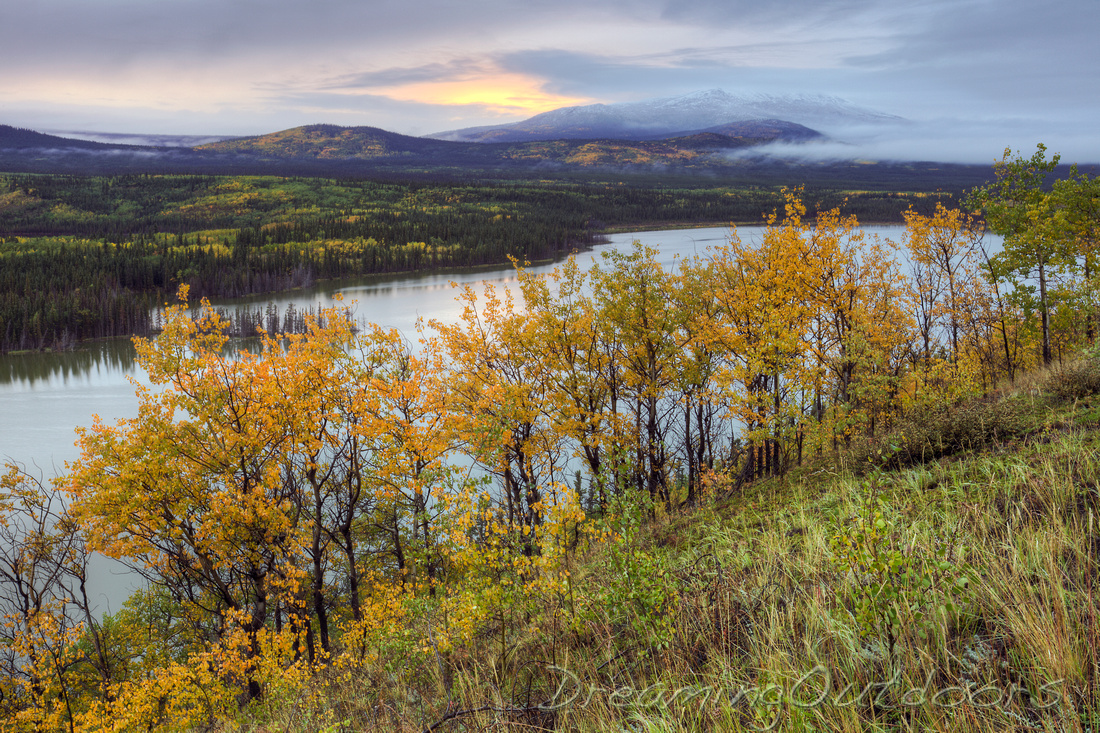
(945, 140)
(769, 166)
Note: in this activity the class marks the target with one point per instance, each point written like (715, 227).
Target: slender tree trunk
(353, 572)
(595, 464)
(398, 548)
(689, 451)
(778, 436)
(318, 563)
(1044, 308)
(1090, 316)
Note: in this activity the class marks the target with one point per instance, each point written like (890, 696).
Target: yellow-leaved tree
(278, 498)
(760, 289)
(195, 492)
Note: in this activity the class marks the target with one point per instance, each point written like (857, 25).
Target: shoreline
(258, 297)
(672, 225)
(599, 238)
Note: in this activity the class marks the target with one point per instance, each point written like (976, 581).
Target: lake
(45, 396)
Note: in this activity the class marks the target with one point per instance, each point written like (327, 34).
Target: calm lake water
(44, 397)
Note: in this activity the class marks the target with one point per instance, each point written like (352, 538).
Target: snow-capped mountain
(659, 118)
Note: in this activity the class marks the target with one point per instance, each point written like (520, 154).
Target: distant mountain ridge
(18, 138)
(348, 150)
(673, 117)
(732, 152)
(333, 142)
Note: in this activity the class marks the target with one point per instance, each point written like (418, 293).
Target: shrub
(1074, 380)
(899, 583)
(930, 432)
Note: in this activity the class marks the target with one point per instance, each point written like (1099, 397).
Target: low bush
(898, 581)
(1074, 380)
(929, 433)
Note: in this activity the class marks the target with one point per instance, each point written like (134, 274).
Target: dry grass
(1001, 535)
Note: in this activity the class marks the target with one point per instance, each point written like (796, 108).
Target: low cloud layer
(946, 140)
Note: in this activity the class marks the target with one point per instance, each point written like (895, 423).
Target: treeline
(89, 257)
(121, 207)
(312, 509)
(117, 208)
(54, 296)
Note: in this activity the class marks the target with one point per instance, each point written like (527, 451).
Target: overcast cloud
(974, 76)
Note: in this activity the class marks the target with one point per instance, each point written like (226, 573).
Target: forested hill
(331, 142)
(18, 138)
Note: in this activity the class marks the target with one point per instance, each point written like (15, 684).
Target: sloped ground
(952, 589)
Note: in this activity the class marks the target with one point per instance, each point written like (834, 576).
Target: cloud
(943, 140)
(156, 141)
(769, 13)
(454, 69)
(1016, 68)
(1012, 56)
(613, 78)
(461, 82)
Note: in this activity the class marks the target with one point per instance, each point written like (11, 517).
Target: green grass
(748, 613)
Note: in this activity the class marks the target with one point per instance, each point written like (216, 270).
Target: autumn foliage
(343, 499)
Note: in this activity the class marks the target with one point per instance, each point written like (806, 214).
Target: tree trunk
(1044, 308)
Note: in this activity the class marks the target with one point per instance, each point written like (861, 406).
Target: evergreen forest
(92, 257)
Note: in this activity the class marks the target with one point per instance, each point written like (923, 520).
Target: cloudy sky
(974, 76)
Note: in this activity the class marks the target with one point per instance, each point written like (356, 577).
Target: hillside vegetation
(954, 595)
(331, 142)
(786, 486)
(335, 150)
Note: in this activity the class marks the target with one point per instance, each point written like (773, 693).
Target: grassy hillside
(954, 594)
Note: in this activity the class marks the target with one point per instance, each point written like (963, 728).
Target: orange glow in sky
(505, 94)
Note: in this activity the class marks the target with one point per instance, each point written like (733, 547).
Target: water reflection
(86, 365)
